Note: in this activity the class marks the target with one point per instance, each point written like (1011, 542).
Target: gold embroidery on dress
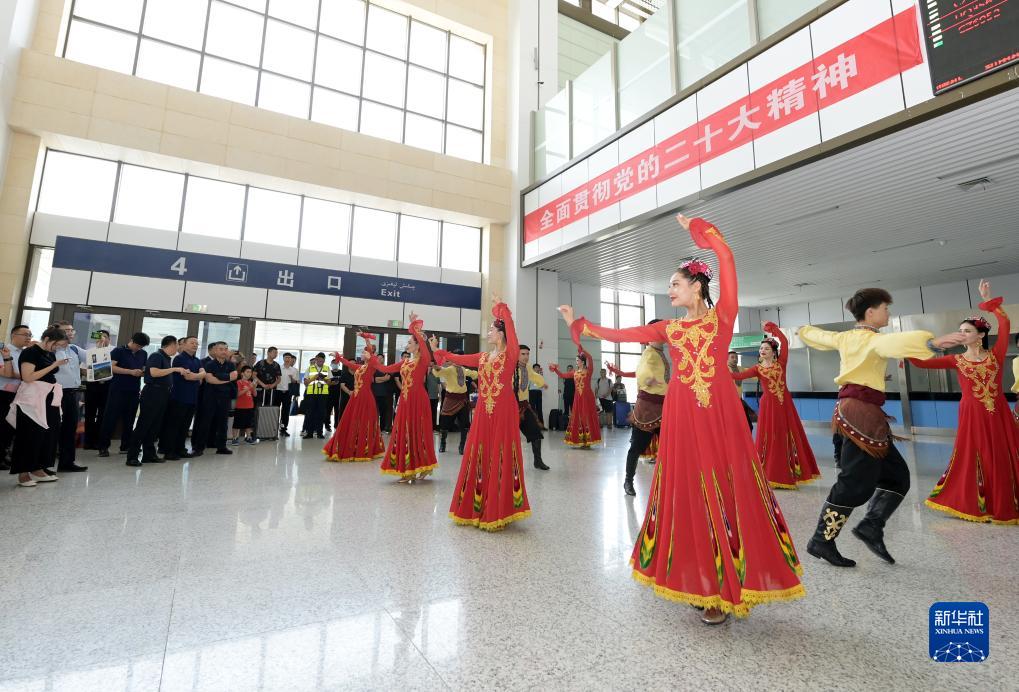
(692, 341)
(490, 379)
(407, 375)
(359, 377)
(579, 381)
(983, 378)
(773, 376)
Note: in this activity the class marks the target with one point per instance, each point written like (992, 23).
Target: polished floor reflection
(275, 570)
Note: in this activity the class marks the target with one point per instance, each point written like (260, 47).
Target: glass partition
(772, 15)
(594, 105)
(643, 63)
(709, 35)
(552, 134)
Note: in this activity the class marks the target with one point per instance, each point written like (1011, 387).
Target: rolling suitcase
(267, 417)
(553, 419)
(622, 414)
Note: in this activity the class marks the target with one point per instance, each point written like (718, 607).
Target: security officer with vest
(316, 396)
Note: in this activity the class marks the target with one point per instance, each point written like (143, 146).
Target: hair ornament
(771, 342)
(981, 324)
(696, 266)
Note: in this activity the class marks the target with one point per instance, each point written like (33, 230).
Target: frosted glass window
(168, 64)
(384, 79)
(644, 73)
(256, 5)
(466, 104)
(464, 144)
(229, 81)
(177, 21)
(338, 65)
(600, 8)
(426, 92)
(331, 108)
(627, 22)
(106, 48)
(461, 247)
(553, 133)
(303, 12)
(343, 19)
(424, 133)
(466, 60)
(149, 197)
(419, 240)
(387, 32)
(126, 14)
(709, 35)
(77, 186)
(288, 50)
(284, 95)
(381, 121)
(213, 208)
(373, 234)
(773, 15)
(428, 46)
(272, 218)
(325, 226)
(594, 108)
(234, 33)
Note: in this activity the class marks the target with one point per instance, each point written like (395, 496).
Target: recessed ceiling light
(617, 269)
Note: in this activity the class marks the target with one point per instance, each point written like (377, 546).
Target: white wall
(17, 24)
(579, 47)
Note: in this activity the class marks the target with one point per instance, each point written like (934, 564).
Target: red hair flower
(696, 266)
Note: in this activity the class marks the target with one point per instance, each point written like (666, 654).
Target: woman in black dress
(35, 447)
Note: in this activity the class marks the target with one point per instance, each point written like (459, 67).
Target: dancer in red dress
(584, 430)
(357, 437)
(713, 534)
(981, 481)
(411, 451)
(781, 443)
(490, 491)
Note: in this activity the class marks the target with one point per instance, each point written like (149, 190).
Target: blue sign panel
(959, 632)
(131, 260)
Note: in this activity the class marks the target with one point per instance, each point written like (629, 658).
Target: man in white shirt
(69, 377)
(603, 391)
(289, 385)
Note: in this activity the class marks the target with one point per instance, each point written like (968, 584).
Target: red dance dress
(357, 437)
(585, 428)
(980, 483)
(490, 491)
(411, 449)
(650, 452)
(713, 533)
(782, 444)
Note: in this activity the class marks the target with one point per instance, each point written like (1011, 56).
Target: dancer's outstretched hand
(696, 235)
(769, 327)
(949, 340)
(433, 341)
(412, 317)
(567, 312)
(985, 290)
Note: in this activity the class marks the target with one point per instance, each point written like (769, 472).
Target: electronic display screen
(967, 39)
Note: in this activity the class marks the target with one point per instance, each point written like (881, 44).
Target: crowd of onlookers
(159, 400)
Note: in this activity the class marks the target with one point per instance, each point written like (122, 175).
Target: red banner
(880, 53)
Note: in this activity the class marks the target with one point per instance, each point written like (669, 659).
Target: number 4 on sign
(180, 266)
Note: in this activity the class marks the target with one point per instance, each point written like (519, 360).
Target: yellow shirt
(532, 378)
(447, 373)
(652, 367)
(1015, 373)
(865, 354)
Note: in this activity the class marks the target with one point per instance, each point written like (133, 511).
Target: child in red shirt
(244, 409)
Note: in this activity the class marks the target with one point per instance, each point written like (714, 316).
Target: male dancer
(871, 465)
(652, 382)
(456, 405)
(530, 426)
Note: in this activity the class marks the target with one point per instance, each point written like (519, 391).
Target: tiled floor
(273, 569)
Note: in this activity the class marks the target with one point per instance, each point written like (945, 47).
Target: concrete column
(23, 164)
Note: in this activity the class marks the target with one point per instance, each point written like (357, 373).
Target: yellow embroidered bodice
(774, 378)
(983, 378)
(580, 378)
(490, 382)
(691, 344)
(359, 377)
(407, 368)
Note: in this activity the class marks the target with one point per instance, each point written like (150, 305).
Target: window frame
(481, 156)
(615, 356)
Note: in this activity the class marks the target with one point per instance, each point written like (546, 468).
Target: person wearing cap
(316, 396)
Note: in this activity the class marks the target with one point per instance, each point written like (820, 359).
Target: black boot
(829, 524)
(628, 487)
(536, 448)
(442, 442)
(463, 441)
(872, 529)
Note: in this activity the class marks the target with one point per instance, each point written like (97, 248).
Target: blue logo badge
(959, 632)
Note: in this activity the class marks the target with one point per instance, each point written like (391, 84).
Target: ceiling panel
(889, 212)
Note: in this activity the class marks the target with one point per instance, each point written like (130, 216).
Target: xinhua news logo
(959, 632)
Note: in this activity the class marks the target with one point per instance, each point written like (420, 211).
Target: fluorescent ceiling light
(617, 269)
